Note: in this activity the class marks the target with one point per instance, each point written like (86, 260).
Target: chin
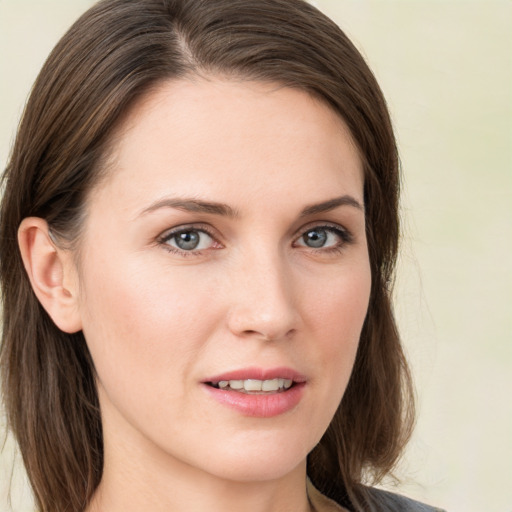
(256, 461)
(257, 470)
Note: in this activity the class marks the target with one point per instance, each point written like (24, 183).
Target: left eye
(322, 237)
(189, 240)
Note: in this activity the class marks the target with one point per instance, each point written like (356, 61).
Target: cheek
(337, 314)
(340, 306)
(142, 325)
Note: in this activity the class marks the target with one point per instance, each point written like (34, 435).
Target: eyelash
(343, 234)
(169, 235)
(346, 238)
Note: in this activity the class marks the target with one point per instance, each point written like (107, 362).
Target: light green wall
(446, 69)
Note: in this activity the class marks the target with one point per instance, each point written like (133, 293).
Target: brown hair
(117, 51)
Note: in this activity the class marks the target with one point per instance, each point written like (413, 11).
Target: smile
(257, 392)
(254, 386)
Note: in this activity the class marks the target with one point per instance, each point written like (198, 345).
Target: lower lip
(259, 405)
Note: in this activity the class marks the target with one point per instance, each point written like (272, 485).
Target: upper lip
(256, 373)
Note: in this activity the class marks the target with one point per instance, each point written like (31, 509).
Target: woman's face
(224, 278)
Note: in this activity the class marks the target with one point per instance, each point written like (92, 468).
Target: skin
(159, 320)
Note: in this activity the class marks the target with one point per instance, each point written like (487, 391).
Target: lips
(255, 385)
(258, 392)
(257, 380)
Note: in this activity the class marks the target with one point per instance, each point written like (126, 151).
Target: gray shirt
(382, 501)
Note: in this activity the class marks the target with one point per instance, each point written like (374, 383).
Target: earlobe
(51, 273)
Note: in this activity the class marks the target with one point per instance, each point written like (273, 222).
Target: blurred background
(446, 70)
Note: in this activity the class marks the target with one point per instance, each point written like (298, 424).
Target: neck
(143, 481)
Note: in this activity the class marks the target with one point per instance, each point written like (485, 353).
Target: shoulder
(378, 500)
(397, 503)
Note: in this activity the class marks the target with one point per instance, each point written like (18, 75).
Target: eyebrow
(193, 205)
(214, 208)
(331, 204)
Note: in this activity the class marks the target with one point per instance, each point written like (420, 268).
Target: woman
(198, 237)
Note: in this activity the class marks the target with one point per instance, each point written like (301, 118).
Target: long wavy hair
(116, 52)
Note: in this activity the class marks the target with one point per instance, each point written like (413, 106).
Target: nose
(263, 302)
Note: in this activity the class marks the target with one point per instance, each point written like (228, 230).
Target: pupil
(187, 240)
(315, 238)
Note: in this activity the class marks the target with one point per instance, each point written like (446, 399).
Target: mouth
(257, 392)
(254, 386)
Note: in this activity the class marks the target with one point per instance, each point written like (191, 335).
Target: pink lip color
(259, 405)
(259, 374)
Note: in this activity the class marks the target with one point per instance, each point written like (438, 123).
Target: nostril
(268, 335)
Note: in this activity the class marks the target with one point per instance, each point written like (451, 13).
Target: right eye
(188, 240)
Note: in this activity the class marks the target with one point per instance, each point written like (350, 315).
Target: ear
(52, 274)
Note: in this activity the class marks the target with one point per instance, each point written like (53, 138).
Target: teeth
(236, 384)
(254, 385)
(270, 385)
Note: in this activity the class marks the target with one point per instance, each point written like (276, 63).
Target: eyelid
(170, 233)
(323, 225)
(345, 235)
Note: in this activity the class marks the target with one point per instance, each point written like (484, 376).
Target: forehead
(213, 136)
